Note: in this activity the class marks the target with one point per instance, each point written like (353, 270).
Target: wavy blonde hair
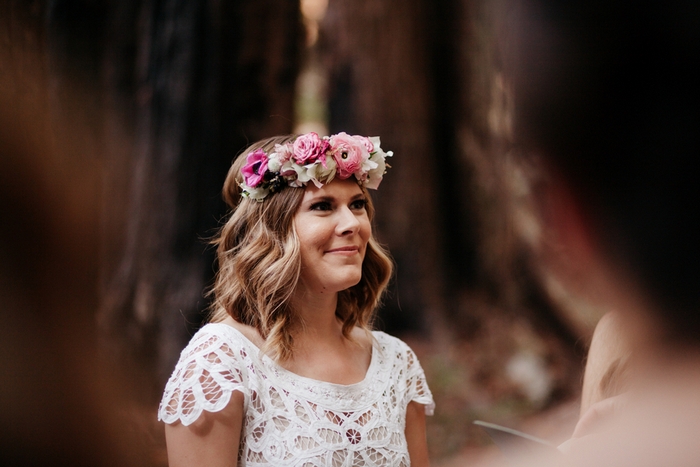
(259, 261)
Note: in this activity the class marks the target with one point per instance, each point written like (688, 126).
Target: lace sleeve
(208, 371)
(418, 389)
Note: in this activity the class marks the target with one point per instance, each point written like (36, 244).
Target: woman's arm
(212, 440)
(416, 436)
(607, 362)
(604, 380)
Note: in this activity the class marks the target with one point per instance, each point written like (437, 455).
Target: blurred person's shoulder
(659, 426)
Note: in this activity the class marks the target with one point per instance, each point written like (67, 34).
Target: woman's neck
(317, 313)
(321, 351)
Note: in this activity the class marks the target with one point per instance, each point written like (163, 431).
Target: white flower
(320, 174)
(274, 164)
(333, 156)
(375, 175)
(297, 175)
(257, 194)
(369, 165)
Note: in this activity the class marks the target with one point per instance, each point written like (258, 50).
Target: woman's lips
(345, 250)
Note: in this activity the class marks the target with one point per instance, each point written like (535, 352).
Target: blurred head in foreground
(606, 93)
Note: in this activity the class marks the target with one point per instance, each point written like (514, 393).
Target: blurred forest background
(118, 121)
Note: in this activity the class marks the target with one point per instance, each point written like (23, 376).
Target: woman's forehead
(335, 189)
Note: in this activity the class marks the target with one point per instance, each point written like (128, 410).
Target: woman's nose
(347, 221)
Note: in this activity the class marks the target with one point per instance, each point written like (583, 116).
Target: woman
(288, 371)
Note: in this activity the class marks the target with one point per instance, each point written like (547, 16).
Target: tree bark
(380, 84)
(187, 85)
(427, 77)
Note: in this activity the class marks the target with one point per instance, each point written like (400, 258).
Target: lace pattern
(291, 420)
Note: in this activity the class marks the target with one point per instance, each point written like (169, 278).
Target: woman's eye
(359, 204)
(321, 206)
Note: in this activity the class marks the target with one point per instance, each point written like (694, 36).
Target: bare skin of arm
(212, 440)
(416, 436)
(607, 361)
(604, 380)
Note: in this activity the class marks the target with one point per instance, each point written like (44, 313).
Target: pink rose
(309, 148)
(349, 153)
(254, 169)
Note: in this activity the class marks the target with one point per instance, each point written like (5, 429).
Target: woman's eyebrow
(325, 198)
(332, 199)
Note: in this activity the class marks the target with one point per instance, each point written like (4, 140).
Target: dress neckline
(290, 375)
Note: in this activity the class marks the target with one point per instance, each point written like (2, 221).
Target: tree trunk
(380, 84)
(118, 122)
(426, 76)
(187, 84)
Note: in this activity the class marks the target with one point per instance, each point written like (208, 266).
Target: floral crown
(310, 158)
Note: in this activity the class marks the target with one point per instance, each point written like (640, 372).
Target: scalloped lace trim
(292, 420)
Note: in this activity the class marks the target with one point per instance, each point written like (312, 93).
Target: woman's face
(333, 229)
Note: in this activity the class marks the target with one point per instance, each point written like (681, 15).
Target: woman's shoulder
(228, 331)
(389, 342)
(392, 347)
(211, 334)
(218, 360)
(403, 364)
(217, 342)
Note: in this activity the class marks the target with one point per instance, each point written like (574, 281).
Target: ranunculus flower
(254, 169)
(309, 148)
(349, 154)
(367, 142)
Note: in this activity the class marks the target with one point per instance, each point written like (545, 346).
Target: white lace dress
(290, 420)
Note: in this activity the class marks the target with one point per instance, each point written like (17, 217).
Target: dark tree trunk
(426, 76)
(380, 84)
(188, 84)
(153, 261)
(499, 194)
(118, 122)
